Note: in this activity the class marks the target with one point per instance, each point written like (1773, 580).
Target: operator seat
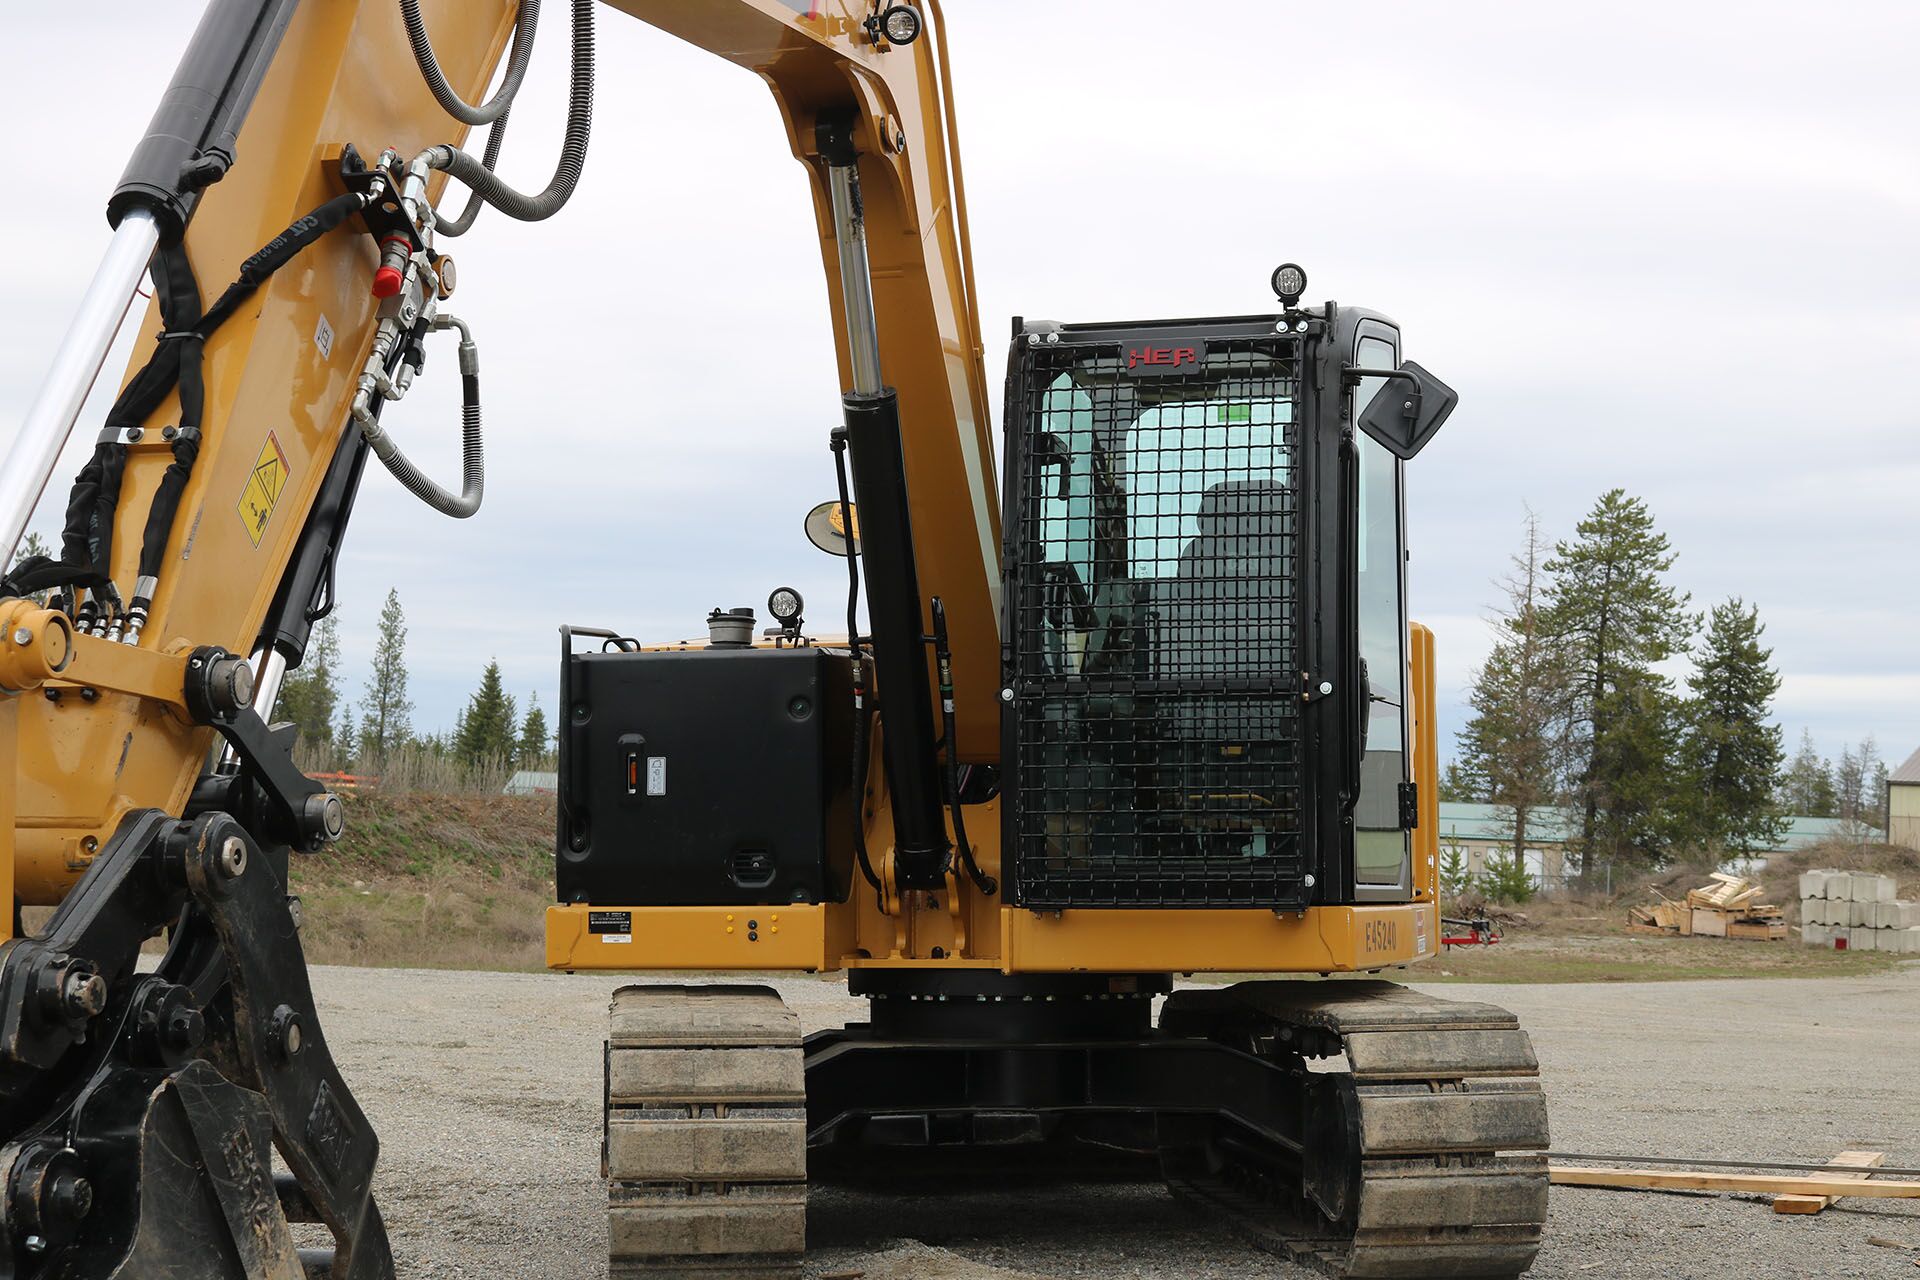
(1228, 612)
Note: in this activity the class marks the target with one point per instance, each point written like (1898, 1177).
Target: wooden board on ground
(1830, 1185)
(1845, 1160)
(1710, 922)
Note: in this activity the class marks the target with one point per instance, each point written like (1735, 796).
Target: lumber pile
(1856, 911)
(1727, 906)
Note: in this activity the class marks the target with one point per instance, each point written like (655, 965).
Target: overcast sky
(1669, 247)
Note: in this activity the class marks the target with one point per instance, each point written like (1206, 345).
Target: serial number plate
(610, 922)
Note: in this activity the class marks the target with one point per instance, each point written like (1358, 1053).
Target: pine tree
(1806, 789)
(1514, 740)
(533, 735)
(1460, 785)
(487, 728)
(387, 722)
(1877, 798)
(310, 693)
(1729, 751)
(1455, 879)
(1612, 618)
(345, 739)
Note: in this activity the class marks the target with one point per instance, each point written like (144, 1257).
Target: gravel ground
(485, 1089)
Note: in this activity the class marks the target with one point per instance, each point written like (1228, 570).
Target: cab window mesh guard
(1156, 628)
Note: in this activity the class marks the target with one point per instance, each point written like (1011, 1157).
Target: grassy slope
(432, 881)
(463, 882)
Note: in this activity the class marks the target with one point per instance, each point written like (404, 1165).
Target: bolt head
(186, 1029)
(233, 857)
(23, 637)
(74, 1195)
(1006, 695)
(84, 993)
(1326, 687)
(1308, 880)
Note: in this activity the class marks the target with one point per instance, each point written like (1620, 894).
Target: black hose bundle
(87, 539)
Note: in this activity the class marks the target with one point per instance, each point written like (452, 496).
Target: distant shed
(1903, 804)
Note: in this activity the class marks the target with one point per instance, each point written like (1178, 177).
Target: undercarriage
(1355, 1126)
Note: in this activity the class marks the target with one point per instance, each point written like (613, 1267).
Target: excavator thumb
(146, 1107)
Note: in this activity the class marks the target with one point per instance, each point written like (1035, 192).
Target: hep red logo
(1164, 357)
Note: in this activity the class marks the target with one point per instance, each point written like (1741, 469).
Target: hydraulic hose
(473, 458)
(476, 174)
(489, 158)
(859, 673)
(487, 112)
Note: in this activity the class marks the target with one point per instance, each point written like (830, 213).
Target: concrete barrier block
(1860, 915)
(1839, 886)
(1909, 940)
(1868, 887)
(1862, 940)
(1813, 884)
(1816, 935)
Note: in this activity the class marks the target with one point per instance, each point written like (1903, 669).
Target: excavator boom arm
(301, 154)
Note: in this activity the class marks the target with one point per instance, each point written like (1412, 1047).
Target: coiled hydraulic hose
(476, 174)
(489, 158)
(473, 457)
(487, 112)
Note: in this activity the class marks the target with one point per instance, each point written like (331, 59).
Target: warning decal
(263, 488)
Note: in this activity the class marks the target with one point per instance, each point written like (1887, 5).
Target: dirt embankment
(431, 881)
(426, 880)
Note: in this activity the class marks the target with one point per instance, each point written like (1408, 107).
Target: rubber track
(706, 1134)
(1452, 1129)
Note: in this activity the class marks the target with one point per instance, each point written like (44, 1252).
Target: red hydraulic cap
(387, 282)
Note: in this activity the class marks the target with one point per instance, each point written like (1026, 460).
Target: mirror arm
(1353, 374)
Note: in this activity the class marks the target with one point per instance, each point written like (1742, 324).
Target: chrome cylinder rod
(49, 422)
(856, 285)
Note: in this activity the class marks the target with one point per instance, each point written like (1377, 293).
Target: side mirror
(827, 528)
(1407, 412)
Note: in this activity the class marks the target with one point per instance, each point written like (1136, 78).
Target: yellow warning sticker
(263, 488)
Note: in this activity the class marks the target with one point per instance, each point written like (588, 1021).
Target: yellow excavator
(1138, 699)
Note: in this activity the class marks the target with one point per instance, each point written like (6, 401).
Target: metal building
(1903, 803)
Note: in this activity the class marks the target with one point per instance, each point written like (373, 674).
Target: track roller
(1418, 1153)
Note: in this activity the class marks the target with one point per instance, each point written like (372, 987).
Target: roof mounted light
(785, 606)
(901, 24)
(1290, 283)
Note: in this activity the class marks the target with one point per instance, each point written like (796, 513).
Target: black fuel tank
(706, 777)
